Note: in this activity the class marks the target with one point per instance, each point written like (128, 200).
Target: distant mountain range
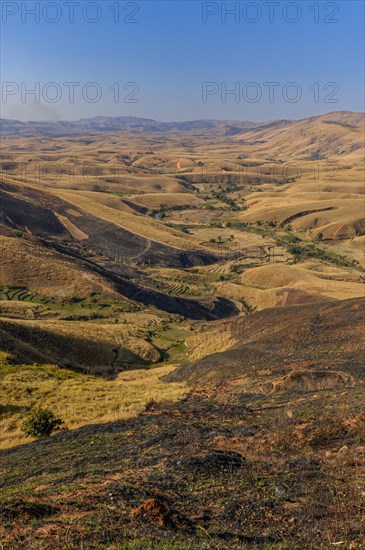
(121, 124)
(343, 127)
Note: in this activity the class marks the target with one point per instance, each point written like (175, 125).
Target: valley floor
(193, 310)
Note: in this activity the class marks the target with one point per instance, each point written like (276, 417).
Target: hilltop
(231, 465)
(338, 124)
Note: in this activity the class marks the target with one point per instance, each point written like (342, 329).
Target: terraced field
(180, 228)
(23, 296)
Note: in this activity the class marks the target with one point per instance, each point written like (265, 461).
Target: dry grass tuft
(77, 398)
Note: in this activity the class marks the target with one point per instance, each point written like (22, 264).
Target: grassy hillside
(305, 347)
(79, 399)
(273, 472)
(188, 298)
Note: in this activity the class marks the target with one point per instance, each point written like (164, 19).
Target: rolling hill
(189, 299)
(275, 426)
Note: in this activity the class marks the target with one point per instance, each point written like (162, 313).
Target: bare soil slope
(304, 347)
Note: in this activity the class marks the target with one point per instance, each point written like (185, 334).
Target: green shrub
(40, 423)
(311, 251)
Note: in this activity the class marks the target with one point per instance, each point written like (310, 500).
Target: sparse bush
(40, 423)
(237, 268)
(311, 251)
(288, 238)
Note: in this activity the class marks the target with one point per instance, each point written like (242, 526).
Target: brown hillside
(308, 347)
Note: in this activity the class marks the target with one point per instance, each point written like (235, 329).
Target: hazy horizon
(52, 121)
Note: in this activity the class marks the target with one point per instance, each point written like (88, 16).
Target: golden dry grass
(78, 399)
(94, 346)
(326, 136)
(280, 284)
(140, 225)
(340, 216)
(353, 249)
(155, 200)
(313, 277)
(326, 199)
(27, 265)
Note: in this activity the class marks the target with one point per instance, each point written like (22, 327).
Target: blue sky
(167, 53)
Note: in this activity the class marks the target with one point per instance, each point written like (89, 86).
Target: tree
(40, 423)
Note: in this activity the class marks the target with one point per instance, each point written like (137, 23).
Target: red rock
(153, 511)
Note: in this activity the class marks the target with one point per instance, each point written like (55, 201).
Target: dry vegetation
(202, 473)
(79, 399)
(189, 302)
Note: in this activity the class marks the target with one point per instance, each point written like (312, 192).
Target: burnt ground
(308, 346)
(285, 471)
(25, 208)
(226, 467)
(110, 251)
